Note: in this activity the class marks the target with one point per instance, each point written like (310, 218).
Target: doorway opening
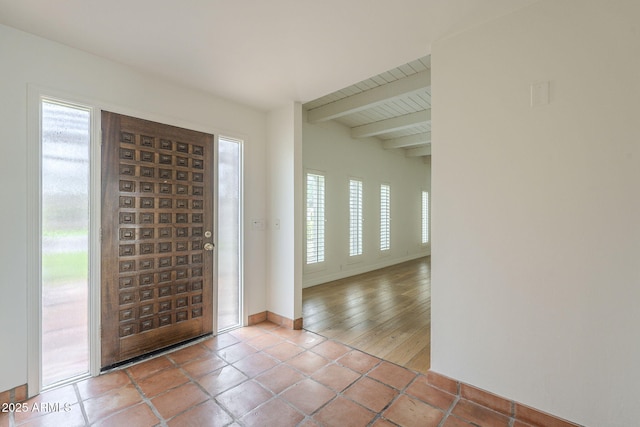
(66, 234)
(157, 278)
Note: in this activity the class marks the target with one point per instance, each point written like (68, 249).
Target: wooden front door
(157, 219)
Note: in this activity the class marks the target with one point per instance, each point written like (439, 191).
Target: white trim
(34, 265)
(34, 274)
(35, 97)
(393, 124)
(214, 240)
(95, 243)
(386, 227)
(242, 321)
(320, 265)
(372, 97)
(425, 230)
(243, 302)
(360, 236)
(319, 280)
(141, 114)
(316, 266)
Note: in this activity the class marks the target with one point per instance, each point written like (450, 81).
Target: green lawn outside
(58, 268)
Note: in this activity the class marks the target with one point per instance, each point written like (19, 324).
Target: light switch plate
(539, 93)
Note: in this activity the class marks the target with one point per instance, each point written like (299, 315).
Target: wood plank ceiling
(394, 107)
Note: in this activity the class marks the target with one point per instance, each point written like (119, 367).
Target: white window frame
(35, 97)
(241, 292)
(385, 218)
(356, 224)
(34, 270)
(425, 235)
(319, 263)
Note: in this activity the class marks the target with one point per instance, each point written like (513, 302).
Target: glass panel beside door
(65, 140)
(229, 233)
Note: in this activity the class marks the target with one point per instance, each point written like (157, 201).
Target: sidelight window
(229, 233)
(65, 183)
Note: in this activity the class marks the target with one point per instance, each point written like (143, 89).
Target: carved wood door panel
(157, 215)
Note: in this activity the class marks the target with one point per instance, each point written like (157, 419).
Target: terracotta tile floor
(263, 376)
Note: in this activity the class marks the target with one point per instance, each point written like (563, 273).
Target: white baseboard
(318, 280)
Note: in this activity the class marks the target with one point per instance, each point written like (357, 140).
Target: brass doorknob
(208, 246)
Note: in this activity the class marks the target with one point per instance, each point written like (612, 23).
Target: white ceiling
(263, 53)
(386, 107)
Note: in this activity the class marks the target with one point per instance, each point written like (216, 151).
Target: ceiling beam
(392, 125)
(407, 141)
(418, 152)
(371, 98)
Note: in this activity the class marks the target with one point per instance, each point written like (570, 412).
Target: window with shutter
(425, 217)
(385, 217)
(315, 218)
(355, 217)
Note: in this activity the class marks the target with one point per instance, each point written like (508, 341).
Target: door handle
(208, 246)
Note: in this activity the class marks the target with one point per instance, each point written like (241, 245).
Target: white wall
(329, 148)
(285, 207)
(536, 211)
(30, 60)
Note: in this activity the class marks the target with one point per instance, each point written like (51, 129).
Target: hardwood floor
(386, 313)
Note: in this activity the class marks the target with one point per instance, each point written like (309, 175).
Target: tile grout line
(403, 392)
(205, 391)
(146, 400)
(303, 345)
(417, 377)
(12, 398)
(512, 420)
(378, 414)
(341, 393)
(250, 378)
(281, 363)
(306, 376)
(306, 344)
(81, 403)
(450, 410)
(362, 351)
(400, 392)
